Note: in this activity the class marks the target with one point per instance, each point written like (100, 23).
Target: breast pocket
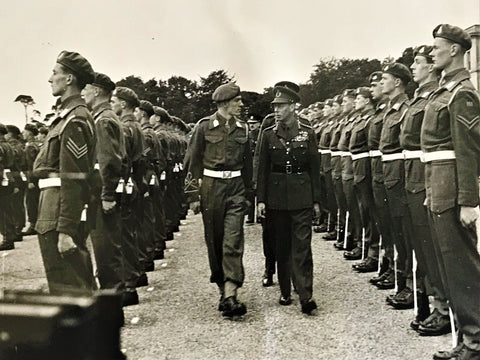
(214, 147)
(393, 129)
(300, 151)
(413, 124)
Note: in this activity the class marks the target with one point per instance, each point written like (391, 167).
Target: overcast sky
(260, 42)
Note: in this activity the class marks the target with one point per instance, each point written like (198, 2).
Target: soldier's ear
(123, 104)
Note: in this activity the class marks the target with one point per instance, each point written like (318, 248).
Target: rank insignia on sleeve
(77, 151)
(469, 123)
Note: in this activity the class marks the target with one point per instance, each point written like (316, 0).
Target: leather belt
(360, 155)
(375, 153)
(322, 151)
(288, 169)
(346, 153)
(336, 153)
(225, 174)
(392, 157)
(413, 154)
(96, 166)
(438, 155)
(49, 182)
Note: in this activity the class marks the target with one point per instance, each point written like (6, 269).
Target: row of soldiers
(400, 186)
(110, 168)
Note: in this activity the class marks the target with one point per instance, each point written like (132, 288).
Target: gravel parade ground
(178, 319)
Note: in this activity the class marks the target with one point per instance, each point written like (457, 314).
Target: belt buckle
(288, 169)
(227, 174)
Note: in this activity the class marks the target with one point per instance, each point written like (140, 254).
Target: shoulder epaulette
(66, 112)
(305, 125)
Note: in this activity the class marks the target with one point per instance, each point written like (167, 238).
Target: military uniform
(32, 193)
(63, 167)
(7, 227)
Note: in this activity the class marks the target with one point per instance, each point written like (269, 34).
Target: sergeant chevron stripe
(77, 151)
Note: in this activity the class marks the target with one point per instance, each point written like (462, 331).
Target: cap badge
(278, 94)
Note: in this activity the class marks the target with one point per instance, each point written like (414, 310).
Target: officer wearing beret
(378, 187)
(425, 75)
(7, 227)
(145, 211)
(450, 141)
(395, 77)
(19, 179)
(221, 163)
(124, 101)
(363, 179)
(288, 187)
(63, 169)
(32, 193)
(110, 154)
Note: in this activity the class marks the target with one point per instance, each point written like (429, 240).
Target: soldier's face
(420, 69)
(360, 102)
(387, 83)
(376, 89)
(154, 119)
(283, 111)
(337, 108)
(441, 53)
(138, 114)
(88, 94)
(116, 104)
(327, 110)
(234, 106)
(58, 80)
(347, 103)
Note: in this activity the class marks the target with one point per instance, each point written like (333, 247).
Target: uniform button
(288, 162)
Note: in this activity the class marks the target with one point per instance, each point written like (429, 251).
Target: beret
(398, 70)
(164, 115)
(78, 65)
(13, 129)
(423, 50)
(147, 107)
(338, 99)
(226, 92)
(32, 128)
(329, 102)
(453, 33)
(127, 94)
(376, 76)
(364, 91)
(103, 81)
(3, 129)
(43, 130)
(349, 93)
(286, 92)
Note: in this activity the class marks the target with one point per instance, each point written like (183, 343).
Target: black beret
(364, 91)
(32, 128)
(43, 130)
(79, 66)
(453, 33)
(376, 76)
(329, 102)
(349, 92)
(226, 92)
(338, 99)
(128, 95)
(286, 92)
(3, 129)
(103, 81)
(423, 50)
(13, 130)
(147, 107)
(398, 70)
(164, 115)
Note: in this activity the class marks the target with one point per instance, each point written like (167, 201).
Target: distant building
(472, 57)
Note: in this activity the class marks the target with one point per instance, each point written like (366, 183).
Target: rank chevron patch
(77, 151)
(469, 123)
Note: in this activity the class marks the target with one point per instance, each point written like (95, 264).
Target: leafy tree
(203, 100)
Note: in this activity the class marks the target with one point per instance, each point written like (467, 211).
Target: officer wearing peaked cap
(63, 169)
(450, 141)
(288, 186)
(220, 159)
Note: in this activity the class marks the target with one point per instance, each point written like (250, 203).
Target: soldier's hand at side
(108, 206)
(31, 186)
(316, 211)
(16, 190)
(261, 210)
(195, 207)
(468, 216)
(65, 244)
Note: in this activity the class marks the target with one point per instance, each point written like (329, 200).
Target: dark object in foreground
(41, 326)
